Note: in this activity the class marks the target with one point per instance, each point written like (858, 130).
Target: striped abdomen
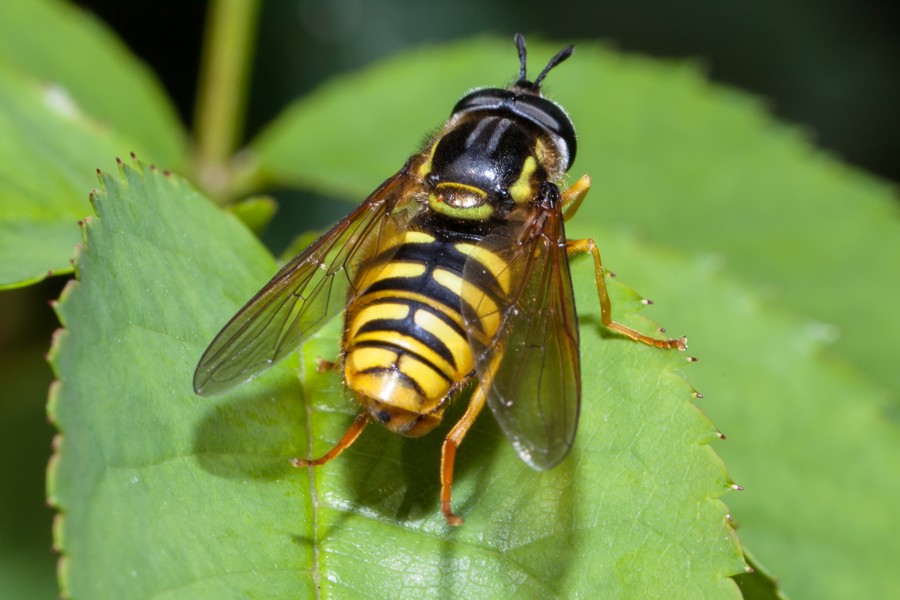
(405, 343)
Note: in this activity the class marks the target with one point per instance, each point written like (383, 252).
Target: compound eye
(483, 99)
(528, 105)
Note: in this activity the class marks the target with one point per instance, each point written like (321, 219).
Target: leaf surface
(61, 45)
(813, 441)
(72, 98)
(48, 154)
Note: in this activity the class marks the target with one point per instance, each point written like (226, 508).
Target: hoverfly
(454, 270)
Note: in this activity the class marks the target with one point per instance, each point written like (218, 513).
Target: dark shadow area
(26, 324)
(541, 508)
(398, 478)
(757, 585)
(254, 435)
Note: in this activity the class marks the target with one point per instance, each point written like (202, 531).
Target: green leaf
(813, 442)
(154, 492)
(255, 212)
(684, 163)
(758, 584)
(72, 98)
(165, 493)
(48, 154)
(705, 170)
(66, 48)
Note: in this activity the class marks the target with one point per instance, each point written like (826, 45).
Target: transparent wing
(306, 292)
(531, 364)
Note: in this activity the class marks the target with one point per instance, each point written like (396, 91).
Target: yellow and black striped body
(406, 346)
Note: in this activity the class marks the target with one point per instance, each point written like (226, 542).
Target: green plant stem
(222, 93)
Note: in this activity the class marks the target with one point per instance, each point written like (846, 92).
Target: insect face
(498, 148)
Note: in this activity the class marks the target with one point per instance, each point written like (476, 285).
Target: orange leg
(352, 433)
(323, 366)
(448, 452)
(574, 196)
(583, 246)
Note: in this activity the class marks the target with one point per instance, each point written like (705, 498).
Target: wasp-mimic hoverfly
(455, 269)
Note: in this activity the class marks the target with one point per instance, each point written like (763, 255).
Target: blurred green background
(830, 66)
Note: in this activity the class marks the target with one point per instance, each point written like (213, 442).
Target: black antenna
(520, 44)
(523, 82)
(560, 56)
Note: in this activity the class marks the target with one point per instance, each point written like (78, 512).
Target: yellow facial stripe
(477, 213)
(460, 200)
(540, 150)
(452, 189)
(522, 190)
(425, 169)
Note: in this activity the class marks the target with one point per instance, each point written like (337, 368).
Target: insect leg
(323, 366)
(349, 437)
(448, 452)
(588, 245)
(574, 196)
